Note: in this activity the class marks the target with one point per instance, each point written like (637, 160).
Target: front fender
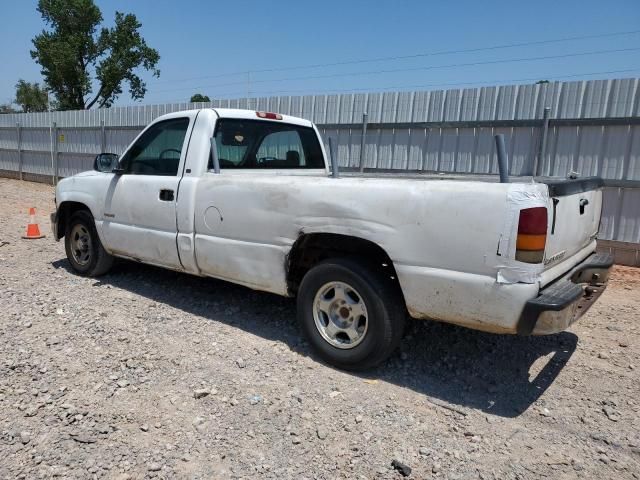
(69, 202)
(87, 189)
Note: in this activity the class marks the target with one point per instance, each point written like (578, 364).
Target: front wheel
(352, 315)
(84, 250)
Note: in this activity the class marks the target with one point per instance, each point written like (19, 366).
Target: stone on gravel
(83, 438)
(322, 432)
(102, 429)
(402, 468)
(199, 424)
(31, 411)
(611, 414)
(201, 393)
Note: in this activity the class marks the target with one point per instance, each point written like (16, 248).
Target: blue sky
(202, 41)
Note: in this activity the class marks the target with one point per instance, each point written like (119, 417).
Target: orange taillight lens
(532, 235)
(531, 242)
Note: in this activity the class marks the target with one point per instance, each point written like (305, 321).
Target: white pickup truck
(248, 197)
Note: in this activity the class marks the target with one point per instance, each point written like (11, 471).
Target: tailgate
(575, 209)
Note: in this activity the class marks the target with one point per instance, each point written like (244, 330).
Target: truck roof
(251, 115)
(241, 114)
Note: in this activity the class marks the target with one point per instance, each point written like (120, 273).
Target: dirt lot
(98, 379)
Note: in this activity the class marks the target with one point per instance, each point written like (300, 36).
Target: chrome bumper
(568, 298)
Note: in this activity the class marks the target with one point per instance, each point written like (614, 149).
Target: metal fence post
(503, 161)
(103, 138)
(19, 132)
(363, 140)
(333, 158)
(539, 159)
(54, 133)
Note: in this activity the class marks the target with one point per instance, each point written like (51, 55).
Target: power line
(414, 69)
(448, 84)
(453, 65)
(406, 57)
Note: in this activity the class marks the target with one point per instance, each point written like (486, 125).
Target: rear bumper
(567, 299)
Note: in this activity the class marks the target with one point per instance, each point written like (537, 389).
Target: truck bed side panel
(246, 223)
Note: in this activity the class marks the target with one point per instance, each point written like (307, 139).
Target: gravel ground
(150, 373)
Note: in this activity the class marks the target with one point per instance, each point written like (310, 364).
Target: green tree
(74, 57)
(198, 97)
(31, 97)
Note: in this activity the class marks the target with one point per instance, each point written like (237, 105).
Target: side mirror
(105, 162)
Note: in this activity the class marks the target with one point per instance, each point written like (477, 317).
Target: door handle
(166, 195)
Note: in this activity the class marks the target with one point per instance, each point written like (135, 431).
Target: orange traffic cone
(33, 231)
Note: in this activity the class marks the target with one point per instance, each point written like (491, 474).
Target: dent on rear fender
(257, 266)
(466, 299)
(354, 220)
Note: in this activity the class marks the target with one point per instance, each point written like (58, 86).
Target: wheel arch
(309, 249)
(65, 210)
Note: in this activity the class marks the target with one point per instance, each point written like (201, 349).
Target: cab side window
(158, 150)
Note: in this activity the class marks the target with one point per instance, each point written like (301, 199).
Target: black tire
(384, 306)
(92, 261)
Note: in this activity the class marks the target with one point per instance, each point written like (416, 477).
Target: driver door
(140, 207)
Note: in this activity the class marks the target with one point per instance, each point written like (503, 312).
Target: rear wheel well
(312, 248)
(65, 211)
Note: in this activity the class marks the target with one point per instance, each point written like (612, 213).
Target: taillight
(532, 235)
(269, 115)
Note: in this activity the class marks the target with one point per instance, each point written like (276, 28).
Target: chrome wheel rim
(81, 244)
(340, 315)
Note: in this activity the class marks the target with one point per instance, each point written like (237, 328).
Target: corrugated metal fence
(593, 128)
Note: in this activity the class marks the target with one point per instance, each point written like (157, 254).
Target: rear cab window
(258, 144)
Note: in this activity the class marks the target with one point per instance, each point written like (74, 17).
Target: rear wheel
(84, 250)
(352, 315)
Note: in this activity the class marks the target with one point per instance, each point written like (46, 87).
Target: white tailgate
(569, 229)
